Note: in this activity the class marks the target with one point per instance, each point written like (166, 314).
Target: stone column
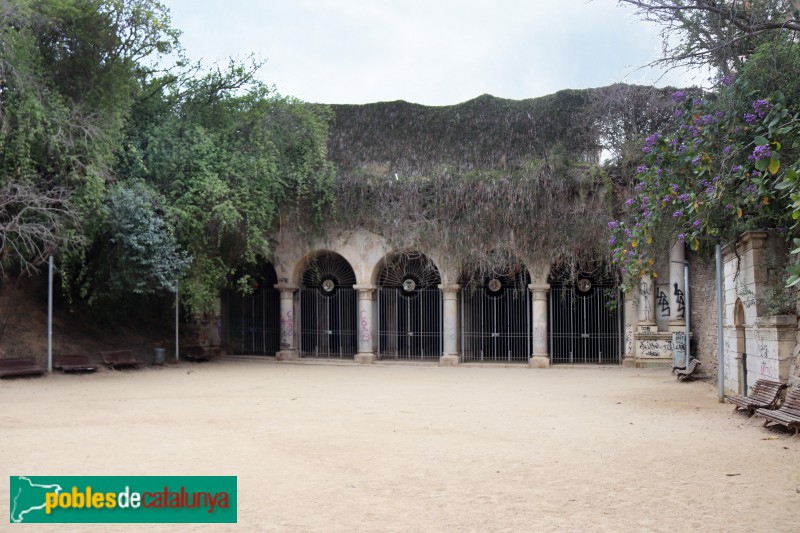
(677, 290)
(366, 324)
(450, 355)
(631, 321)
(540, 358)
(647, 311)
(288, 348)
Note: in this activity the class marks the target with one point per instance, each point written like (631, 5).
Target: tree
(719, 33)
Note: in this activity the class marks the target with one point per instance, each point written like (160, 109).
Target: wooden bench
(73, 362)
(118, 358)
(765, 395)
(686, 373)
(788, 415)
(20, 366)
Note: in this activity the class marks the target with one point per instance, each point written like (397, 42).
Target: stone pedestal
(288, 350)
(631, 322)
(540, 358)
(366, 324)
(450, 355)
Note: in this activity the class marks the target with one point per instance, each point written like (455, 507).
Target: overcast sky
(434, 52)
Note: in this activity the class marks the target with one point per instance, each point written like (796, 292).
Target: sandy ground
(332, 447)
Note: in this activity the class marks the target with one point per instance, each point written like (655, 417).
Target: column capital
(449, 287)
(536, 288)
(286, 287)
(365, 288)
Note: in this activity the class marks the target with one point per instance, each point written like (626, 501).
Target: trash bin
(158, 356)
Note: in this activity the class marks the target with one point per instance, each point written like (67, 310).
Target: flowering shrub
(717, 173)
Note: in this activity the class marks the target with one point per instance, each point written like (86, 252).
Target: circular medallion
(495, 284)
(584, 285)
(328, 285)
(409, 285)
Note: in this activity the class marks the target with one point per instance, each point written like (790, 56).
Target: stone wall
(703, 311)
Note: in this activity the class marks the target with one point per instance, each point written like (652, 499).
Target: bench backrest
(766, 390)
(117, 355)
(17, 362)
(792, 403)
(71, 358)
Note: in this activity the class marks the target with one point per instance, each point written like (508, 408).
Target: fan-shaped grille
(328, 271)
(409, 271)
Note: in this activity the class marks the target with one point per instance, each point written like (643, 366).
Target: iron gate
(328, 308)
(410, 327)
(496, 320)
(582, 327)
(409, 309)
(328, 323)
(251, 323)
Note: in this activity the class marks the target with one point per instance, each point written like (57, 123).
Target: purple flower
(696, 161)
(729, 206)
(677, 214)
(641, 169)
(646, 149)
(761, 152)
(761, 107)
(629, 202)
(651, 140)
(678, 113)
(612, 241)
(750, 118)
(674, 187)
(614, 224)
(726, 150)
(684, 197)
(736, 169)
(727, 81)
(681, 237)
(667, 199)
(682, 149)
(678, 96)
(696, 223)
(645, 200)
(624, 270)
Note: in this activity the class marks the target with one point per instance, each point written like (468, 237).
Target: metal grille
(409, 309)
(496, 320)
(251, 323)
(582, 328)
(328, 324)
(328, 308)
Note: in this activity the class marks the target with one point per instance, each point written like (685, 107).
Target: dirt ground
(394, 447)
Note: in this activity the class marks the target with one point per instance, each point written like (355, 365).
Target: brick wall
(703, 310)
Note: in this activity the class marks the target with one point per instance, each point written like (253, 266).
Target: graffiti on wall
(662, 301)
(679, 302)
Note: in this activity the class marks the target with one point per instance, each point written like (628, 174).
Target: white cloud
(432, 52)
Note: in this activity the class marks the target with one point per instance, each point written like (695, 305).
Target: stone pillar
(647, 311)
(631, 322)
(288, 348)
(366, 324)
(677, 289)
(450, 355)
(540, 358)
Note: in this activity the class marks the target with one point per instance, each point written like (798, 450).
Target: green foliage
(227, 153)
(144, 257)
(718, 173)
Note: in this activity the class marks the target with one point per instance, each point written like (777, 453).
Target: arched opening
(496, 314)
(585, 318)
(251, 320)
(328, 307)
(741, 346)
(409, 308)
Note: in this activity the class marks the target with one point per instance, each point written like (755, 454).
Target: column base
(365, 358)
(449, 360)
(287, 355)
(676, 326)
(629, 362)
(539, 361)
